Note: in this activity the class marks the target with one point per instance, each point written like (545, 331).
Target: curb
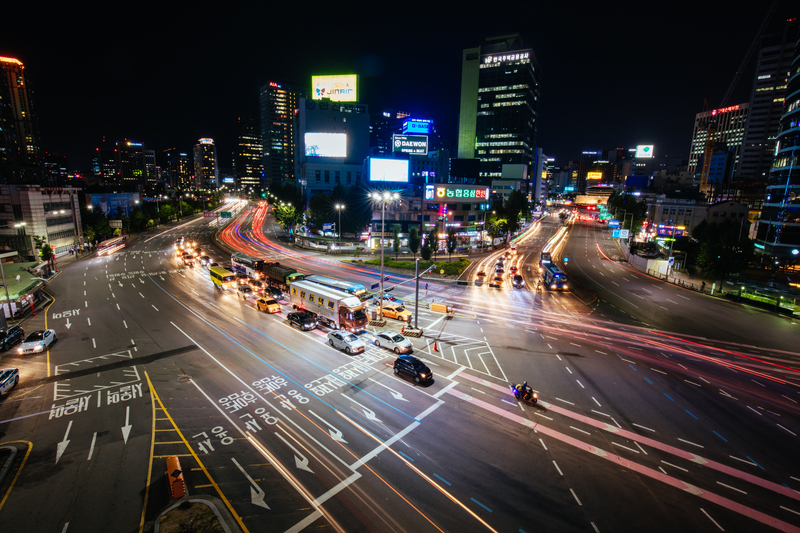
(225, 522)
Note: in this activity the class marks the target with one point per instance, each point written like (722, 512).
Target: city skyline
(631, 87)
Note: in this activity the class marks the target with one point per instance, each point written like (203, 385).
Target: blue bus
(355, 289)
(245, 264)
(554, 279)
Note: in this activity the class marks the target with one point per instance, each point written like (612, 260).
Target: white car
(393, 341)
(9, 377)
(344, 340)
(37, 341)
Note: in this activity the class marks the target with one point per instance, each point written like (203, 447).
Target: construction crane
(710, 125)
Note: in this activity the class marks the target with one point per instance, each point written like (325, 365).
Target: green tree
(517, 206)
(46, 252)
(414, 240)
(426, 251)
(167, 213)
(723, 252)
(433, 241)
(452, 242)
(396, 240)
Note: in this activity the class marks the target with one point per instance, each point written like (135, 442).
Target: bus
(246, 264)
(356, 289)
(514, 246)
(111, 245)
(223, 278)
(554, 279)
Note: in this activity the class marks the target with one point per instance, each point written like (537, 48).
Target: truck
(278, 275)
(544, 258)
(334, 308)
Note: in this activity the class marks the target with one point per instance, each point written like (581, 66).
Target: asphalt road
(642, 424)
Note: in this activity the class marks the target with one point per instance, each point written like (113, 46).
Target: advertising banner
(410, 144)
(341, 88)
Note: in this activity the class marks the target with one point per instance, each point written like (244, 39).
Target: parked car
(37, 341)
(11, 336)
(393, 341)
(9, 377)
(344, 340)
(396, 311)
(413, 367)
(268, 305)
(302, 320)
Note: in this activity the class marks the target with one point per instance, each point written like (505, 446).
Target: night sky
(613, 74)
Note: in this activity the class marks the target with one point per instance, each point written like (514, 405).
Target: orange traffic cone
(435, 346)
(402, 330)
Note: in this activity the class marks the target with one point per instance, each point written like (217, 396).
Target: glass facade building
(279, 107)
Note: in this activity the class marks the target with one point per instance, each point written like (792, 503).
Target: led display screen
(395, 170)
(336, 88)
(326, 144)
(594, 175)
(644, 151)
(441, 191)
(410, 144)
(417, 125)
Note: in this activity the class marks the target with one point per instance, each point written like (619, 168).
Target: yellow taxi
(268, 305)
(396, 311)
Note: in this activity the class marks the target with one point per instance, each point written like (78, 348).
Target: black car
(275, 292)
(11, 336)
(302, 320)
(413, 367)
(518, 282)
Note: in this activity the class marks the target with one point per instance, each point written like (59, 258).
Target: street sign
(614, 233)
(225, 214)
(375, 286)
(327, 226)
(613, 223)
(208, 214)
(623, 233)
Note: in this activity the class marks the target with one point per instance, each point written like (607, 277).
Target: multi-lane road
(661, 409)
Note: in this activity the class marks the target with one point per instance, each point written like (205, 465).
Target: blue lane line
(758, 465)
(404, 455)
(443, 480)
(695, 417)
(720, 436)
(785, 485)
(521, 531)
(479, 503)
(287, 349)
(633, 368)
(668, 396)
(650, 382)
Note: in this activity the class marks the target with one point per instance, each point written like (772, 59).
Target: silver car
(37, 341)
(393, 341)
(344, 340)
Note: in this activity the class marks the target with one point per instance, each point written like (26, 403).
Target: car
(499, 270)
(242, 279)
(481, 274)
(212, 265)
(393, 341)
(497, 281)
(188, 259)
(37, 341)
(11, 336)
(513, 269)
(256, 285)
(517, 281)
(302, 320)
(268, 305)
(387, 298)
(205, 260)
(244, 292)
(275, 292)
(413, 367)
(396, 311)
(9, 377)
(344, 340)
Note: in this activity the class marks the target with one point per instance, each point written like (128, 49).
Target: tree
(167, 213)
(452, 241)
(433, 241)
(46, 252)
(516, 207)
(723, 252)
(414, 240)
(426, 252)
(396, 240)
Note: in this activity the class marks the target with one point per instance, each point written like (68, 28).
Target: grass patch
(451, 268)
(190, 516)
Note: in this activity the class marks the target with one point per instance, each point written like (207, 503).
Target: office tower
(382, 125)
(584, 163)
(729, 123)
(766, 103)
(136, 165)
(279, 108)
(499, 104)
(20, 144)
(177, 169)
(247, 159)
(778, 232)
(206, 173)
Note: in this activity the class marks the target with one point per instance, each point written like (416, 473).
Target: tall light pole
(383, 198)
(340, 208)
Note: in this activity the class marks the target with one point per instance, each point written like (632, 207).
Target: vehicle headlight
(422, 375)
(40, 348)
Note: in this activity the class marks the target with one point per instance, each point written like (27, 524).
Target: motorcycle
(528, 395)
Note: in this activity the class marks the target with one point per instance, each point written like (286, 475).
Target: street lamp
(384, 198)
(339, 208)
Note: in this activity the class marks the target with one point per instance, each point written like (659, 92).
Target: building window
(337, 177)
(358, 177)
(327, 176)
(318, 176)
(349, 177)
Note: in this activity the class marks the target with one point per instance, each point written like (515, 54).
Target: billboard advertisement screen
(410, 144)
(395, 170)
(418, 126)
(108, 204)
(644, 151)
(326, 144)
(594, 175)
(455, 191)
(336, 88)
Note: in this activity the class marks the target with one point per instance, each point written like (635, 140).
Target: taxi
(396, 311)
(268, 305)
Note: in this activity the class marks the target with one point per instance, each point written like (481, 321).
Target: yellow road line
(25, 460)
(150, 463)
(46, 312)
(196, 458)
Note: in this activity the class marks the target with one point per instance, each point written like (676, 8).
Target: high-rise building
(247, 159)
(279, 108)
(20, 144)
(778, 231)
(766, 103)
(136, 165)
(177, 169)
(729, 123)
(382, 125)
(206, 173)
(499, 104)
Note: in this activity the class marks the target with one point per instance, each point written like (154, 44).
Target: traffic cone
(403, 330)
(435, 346)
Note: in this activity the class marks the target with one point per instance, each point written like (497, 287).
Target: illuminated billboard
(417, 125)
(455, 191)
(326, 144)
(594, 175)
(410, 144)
(644, 151)
(395, 170)
(336, 88)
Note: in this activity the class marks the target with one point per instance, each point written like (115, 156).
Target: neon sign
(432, 191)
(726, 109)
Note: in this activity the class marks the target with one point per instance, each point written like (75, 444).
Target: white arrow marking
(61, 446)
(302, 464)
(126, 429)
(367, 412)
(335, 433)
(120, 283)
(397, 395)
(256, 494)
(68, 324)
